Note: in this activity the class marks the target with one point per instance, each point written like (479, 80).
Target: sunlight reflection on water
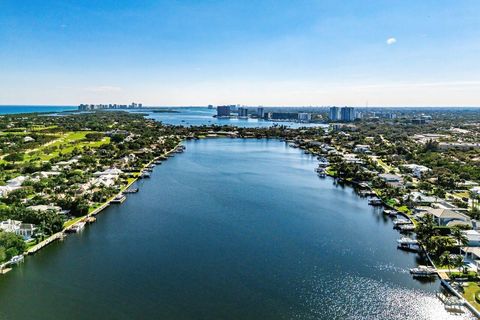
(365, 298)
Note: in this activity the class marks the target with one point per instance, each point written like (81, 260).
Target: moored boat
(119, 198)
(375, 202)
(423, 271)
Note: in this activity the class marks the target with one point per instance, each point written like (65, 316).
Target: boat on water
(366, 193)
(77, 227)
(90, 219)
(406, 227)
(400, 221)
(390, 212)
(408, 244)
(16, 259)
(119, 198)
(423, 271)
(406, 240)
(131, 190)
(144, 175)
(375, 202)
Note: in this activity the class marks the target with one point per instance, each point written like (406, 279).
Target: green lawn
(71, 222)
(462, 195)
(65, 144)
(469, 294)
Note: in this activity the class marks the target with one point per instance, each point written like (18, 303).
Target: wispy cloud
(391, 41)
(103, 89)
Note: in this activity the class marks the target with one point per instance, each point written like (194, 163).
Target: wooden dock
(443, 275)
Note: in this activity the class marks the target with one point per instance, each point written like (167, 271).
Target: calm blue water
(195, 116)
(230, 229)
(30, 109)
(185, 116)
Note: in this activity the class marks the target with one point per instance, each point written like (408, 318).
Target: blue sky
(247, 52)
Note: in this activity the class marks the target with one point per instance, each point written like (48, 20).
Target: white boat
(16, 259)
(423, 271)
(390, 212)
(406, 227)
(119, 199)
(77, 227)
(407, 241)
(399, 221)
(375, 202)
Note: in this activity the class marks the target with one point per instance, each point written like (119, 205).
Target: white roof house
(473, 237)
(28, 139)
(362, 148)
(5, 190)
(44, 208)
(392, 179)
(25, 230)
(46, 174)
(445, 217)
(420, 199)
(417, 170)
(105, 180)
(352, 158)
(476, 190)
(16, 182)
(10, 225)
(111, 171)
(66, 163)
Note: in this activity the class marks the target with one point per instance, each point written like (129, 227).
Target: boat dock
(46, 242)
(375, 202)
(131, 190)
(119, 199)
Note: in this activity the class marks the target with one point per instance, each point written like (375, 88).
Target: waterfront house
(127, 159)
(108, 172)
(362, 148)
(45, 208)
(417, 170)
(420, 199)
(472, 254)
(104, 180)
(352, 158)
(445, 217)
(473, 237)
(17, 182)
(10, 225)
(392, 179)
(25, 230)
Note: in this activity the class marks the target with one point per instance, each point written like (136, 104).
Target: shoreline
(7, 266)
(351, 183)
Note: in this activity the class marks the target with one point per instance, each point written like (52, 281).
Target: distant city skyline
(272, 53)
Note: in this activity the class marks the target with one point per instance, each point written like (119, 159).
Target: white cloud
(391, 41)
(103, 89)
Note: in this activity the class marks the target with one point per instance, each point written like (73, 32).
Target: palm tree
(446, 260)
(458, 263)
(475, 196)
(426, 228)
(459, 236)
